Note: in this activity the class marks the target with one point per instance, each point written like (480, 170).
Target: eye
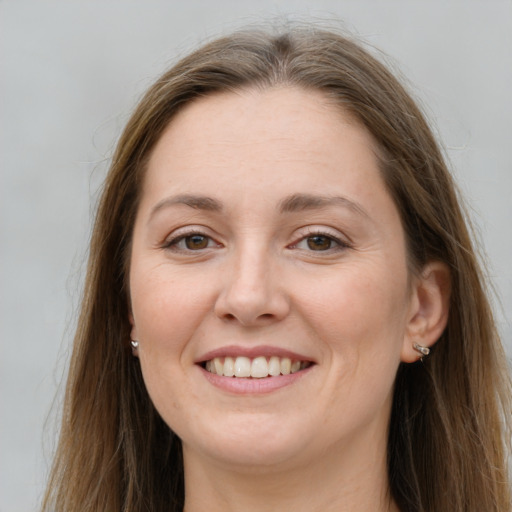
(320, 242)
(190, 242)
(195, 242)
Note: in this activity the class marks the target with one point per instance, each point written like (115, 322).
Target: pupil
(196, 242)
(319, 243)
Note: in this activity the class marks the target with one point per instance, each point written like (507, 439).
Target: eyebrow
(190, 200)
(301, 202)
(290, 204)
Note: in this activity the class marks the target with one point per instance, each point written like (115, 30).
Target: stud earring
(134, 344)
(424, 351)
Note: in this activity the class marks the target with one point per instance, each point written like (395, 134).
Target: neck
(355, 482)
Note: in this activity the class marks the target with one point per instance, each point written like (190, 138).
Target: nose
(252, 292)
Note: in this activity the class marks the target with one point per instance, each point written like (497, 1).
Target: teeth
(228, 370)
(286, 366)
(257, 368)
(242, 367)
(274, 366)
(219, 367)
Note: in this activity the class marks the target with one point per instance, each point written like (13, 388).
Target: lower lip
(251, 386)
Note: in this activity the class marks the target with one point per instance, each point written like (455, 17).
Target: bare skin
(265, 230)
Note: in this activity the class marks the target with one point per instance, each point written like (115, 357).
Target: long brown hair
(451, 416)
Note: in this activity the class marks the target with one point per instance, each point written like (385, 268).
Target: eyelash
(340, 244)
(172, 244)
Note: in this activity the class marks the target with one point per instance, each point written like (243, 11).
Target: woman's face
(266, 243)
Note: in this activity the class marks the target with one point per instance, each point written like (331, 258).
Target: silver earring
(424, 351)
(135, 344)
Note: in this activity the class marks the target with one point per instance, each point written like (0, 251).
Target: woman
(283, 310)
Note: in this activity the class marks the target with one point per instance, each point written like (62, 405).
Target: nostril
(249, 305)
(230, 317)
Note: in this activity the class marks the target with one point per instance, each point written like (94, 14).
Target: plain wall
(70, 74)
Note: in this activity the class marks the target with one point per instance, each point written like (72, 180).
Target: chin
(249, 442)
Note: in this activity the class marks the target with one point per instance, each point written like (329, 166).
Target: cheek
(167, 313)
(363, 326)
(167, 307)
(359, 304)
(359, 318)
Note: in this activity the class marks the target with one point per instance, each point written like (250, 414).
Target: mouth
(259, 367)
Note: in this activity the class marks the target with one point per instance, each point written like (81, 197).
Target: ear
(133, 333)
(429, 309)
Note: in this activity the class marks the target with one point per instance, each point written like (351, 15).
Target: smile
(257, 368)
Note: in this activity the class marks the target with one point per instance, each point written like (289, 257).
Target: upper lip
(252, 352)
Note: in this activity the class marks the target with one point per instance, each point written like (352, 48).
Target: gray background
(70, 73)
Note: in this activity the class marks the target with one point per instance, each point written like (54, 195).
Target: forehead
(253, 115)
(247, 132)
